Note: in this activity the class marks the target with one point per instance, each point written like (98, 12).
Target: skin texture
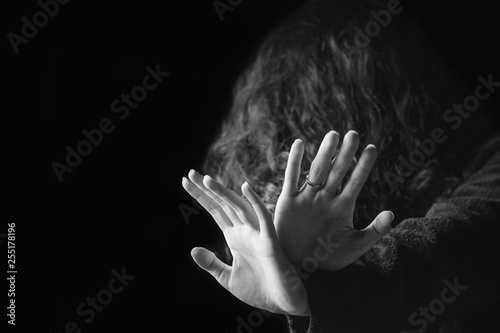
(257, 273)
(262, 271)
(303, 216)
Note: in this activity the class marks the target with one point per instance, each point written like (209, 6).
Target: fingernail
(249, 187)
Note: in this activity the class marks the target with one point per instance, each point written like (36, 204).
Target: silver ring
(312, 184)
(307, 182)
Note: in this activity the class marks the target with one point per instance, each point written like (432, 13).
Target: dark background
(120, 206)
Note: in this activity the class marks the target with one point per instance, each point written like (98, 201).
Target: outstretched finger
(234, 202)
(213, 265)
(342, 162)
(206, 202)
(199, 181)
(360, 173)
(292, 171)
(320, 166)
(263, 214)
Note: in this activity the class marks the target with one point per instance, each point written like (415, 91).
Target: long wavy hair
(308, 77)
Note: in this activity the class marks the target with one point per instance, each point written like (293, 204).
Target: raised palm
(260, 274)
(317, 221)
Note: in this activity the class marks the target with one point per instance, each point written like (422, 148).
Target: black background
(120, 206)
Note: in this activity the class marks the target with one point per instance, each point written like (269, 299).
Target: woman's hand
(317, 221)
(260, 274)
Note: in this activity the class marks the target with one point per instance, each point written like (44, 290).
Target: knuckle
(315, 173)
(356, 182)
(339, 170)
(213, 211)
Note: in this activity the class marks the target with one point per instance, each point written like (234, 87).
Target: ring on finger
(313, 185)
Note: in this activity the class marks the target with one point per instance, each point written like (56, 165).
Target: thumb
(210, 263)
(380, 226)
(382, 223)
